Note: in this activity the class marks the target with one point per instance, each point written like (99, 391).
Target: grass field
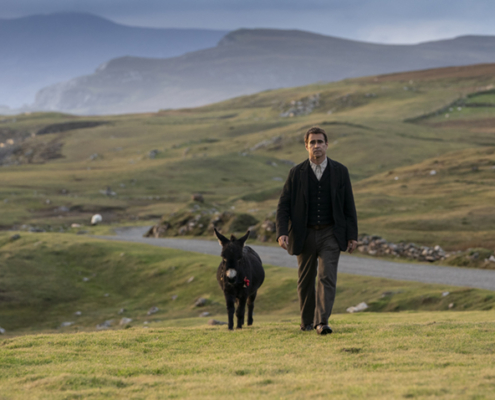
(369, 356)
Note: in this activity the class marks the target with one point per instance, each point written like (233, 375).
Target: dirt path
(475, 278)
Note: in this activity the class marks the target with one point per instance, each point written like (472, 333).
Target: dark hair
(315, 130)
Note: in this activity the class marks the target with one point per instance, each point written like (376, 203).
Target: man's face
(316, 146)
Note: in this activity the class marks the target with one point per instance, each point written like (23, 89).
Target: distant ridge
(40, 50)
(247, 61)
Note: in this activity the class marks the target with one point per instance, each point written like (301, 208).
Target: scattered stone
(190, 279)
(96, 219)
(304, 106)
(198, 197)
(433, 172)
(78, 313)
(105, 325)
(66, 324)
(75, 225)
(375, 245)
(360, 307)
(204, 314)
(146, 322)
(491, 259)
(85, 279)
(215, 322)
(122, 254)
(15, 237)
(125, 321)
(200, 302)
(444, 294)
(153, 153)
(106, 295)
(451, 306)
(153, 310)
(121, 311)
(174, 297)
(81, 232)
(2, 331)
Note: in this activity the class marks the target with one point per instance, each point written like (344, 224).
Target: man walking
(316, 220)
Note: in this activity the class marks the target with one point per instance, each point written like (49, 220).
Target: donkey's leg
(230, 310)
(250, 304)
(240, 312)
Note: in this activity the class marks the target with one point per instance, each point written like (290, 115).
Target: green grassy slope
(238, 153)
(47, 277)
(369, 356)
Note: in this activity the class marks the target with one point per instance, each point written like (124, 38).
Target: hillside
(246, 62)
(45, 49)
(134, 169)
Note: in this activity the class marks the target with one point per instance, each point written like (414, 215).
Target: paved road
(475, 278)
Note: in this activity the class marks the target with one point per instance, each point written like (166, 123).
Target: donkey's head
(231, 255)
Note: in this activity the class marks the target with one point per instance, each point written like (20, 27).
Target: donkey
(240, 274)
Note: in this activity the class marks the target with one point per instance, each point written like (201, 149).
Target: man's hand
(283, 241)
(351, 246)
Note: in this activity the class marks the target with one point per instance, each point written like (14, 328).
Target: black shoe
(323, 330)
(307, 328)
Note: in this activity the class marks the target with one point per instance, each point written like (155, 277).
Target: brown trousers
(320, 257)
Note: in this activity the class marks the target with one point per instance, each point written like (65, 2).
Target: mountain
(245, 62)
(40, 50)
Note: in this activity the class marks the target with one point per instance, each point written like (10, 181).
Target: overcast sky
(384, 21)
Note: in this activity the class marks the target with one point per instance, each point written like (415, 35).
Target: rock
(153, 153)
(174, 297)
(204, 314)
(105, 325)
(360, 307)
(66, 324)
(75, 225)
(125, 321)
(121, 311)
(2, 331)
(96, 219)
(78, 313)
(444, 294)
(81, 232)
(215, 322)
(85, 279)
(198, 197)
(451, 306)
(153, 310)
(200, 302)
(491, 259)
(190, 279)
(15, 237)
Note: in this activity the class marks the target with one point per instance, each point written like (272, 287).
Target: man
(316, 219)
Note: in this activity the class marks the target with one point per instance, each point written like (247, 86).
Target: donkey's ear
(221, 239)
(243, 239)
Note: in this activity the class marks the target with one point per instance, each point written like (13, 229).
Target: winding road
(426, 273)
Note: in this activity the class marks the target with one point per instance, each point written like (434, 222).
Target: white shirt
(318, 169)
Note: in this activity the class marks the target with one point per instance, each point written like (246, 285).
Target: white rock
(360, 307)
(2, 331)
(125, 321)
(433, 172)
(65, 324)
(204, 314)
(85, 279)
(78, 313)
(75, 225)
(190, 279)
(492, 258)
(95, 219)
(445, 294)
(104, 325)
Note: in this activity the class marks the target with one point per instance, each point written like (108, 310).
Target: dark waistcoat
(320, 201)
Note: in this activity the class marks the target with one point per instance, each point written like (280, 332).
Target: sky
(379, 21)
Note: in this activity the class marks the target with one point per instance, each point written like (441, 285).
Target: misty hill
(40, 50)
(246, 62)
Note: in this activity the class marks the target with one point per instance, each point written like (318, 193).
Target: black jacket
(292, 210)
